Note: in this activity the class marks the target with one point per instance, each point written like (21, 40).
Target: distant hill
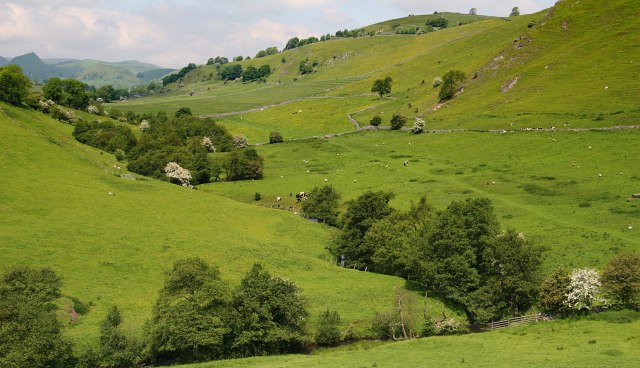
(96, 73)
(3, 61)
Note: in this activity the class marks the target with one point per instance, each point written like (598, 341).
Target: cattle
(302, 196)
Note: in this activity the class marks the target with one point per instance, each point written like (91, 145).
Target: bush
(398, 121)
(621, 280)
(418, 127)
(375, 121)
(437, 81)
(451, 84)
(553, 292)
(183, 111)
(275, 137)
(328, 331)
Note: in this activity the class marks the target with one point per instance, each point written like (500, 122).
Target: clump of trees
(68, 92)
(438, 22)
(14, 85)
(307, 67)
(105, 135)
(252, 73)
(231, 72)
(218, 60)
(179, 75)
(322, 204)
(268, 51)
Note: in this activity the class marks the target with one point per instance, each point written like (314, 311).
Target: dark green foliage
(67, 92)
(382, 86)
(14, 85)
(322, 204)
(178, 140)
(257, 197)
(243, 164)
(30, 334)
(451, 83)
(515, 12)
(231, 72)
(398, 121)
(179, 75)
(621, 280)
(116, 349)
(252, 73)
(328, 330)
(361, 214)
(190, 317)
(438, 22)
(105, 135)
(292, 43)
(375, 121)
(394, 239)
(183, 111)
(269, 315)
(107, 93)
(275, 137)
(553, 292)
(305, 67)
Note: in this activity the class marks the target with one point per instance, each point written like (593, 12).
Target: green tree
(328, 329)
(264, 71)
(14, 85)
(67, 92)
(451, 83)
(322, 204)
(398, 121)
(382, 86)
(621, 280)
(116, 350)
(30, 334)
(243, 164)
(189, 320)
(231, 72)
(360, 215)
(269, 314)
(438, 22)
(553, 292)
(250, 74)
(292, 43)
(107, 93)
(375, 121)
(515, 12)
(275, 137)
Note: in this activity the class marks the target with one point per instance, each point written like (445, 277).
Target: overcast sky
(172, 33)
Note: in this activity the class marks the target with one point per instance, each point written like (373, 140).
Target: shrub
(375, 121)
(437, 81)
(418, 126)
(240, 141)
(451, 84)
(183, 111)
(328, 330)
(621, 280)
(275, 137)
(398, 121)
(257, 197)
(553, 292)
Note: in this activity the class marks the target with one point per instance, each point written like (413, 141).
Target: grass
(55, 211)
(538, 181)
(596, 343)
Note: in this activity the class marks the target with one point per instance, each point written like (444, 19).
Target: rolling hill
(546, 127)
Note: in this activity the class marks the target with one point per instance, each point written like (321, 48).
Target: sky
(173, 33)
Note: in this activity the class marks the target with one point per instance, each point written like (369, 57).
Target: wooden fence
(514, 321)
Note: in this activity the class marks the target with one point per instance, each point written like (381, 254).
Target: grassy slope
(552, 344)
(55, 211)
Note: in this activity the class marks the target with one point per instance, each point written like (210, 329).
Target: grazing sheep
(406, 163)
(278, 199)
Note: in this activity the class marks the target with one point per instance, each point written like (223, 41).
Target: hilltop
(92, 72)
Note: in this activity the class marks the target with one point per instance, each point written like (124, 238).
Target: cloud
(176, 32)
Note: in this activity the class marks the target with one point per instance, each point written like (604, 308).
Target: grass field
(545, 184)
(595, 343)
(56, 211)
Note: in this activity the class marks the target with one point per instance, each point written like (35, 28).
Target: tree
(553, 292)
(30, 334)
(375, 121)
(250, 74)
(451, 84)
(292, 43)
(418, 127)
(584, 288)
(275, 137)
(240, 141)
(382, 86)
(183, 111)
(107, 93)
(264, 71)
(115, 347)
(182, 175)
(360, 215)
(515, 12)
(67, 92)
(243, 164)
(621, 280)
(398, 121)
(14, 85)
(473, 11)
(322, 204)
(269, 314)
(328, 330)
(438, 22)
(190, 317)
(231, 72)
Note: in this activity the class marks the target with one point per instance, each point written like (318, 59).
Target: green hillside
(57, 212)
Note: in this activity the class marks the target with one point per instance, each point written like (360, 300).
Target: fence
(514, 321)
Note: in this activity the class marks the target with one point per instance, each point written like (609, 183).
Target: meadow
(608, 341)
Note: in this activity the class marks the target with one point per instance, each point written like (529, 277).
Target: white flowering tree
(584, 288)
(92, 109)
(240, 141)
(144, 125)
(206, 142)
(418, 126)
(175, 171)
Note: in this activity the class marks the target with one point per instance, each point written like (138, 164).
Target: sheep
(406, 163)
(278, 199)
